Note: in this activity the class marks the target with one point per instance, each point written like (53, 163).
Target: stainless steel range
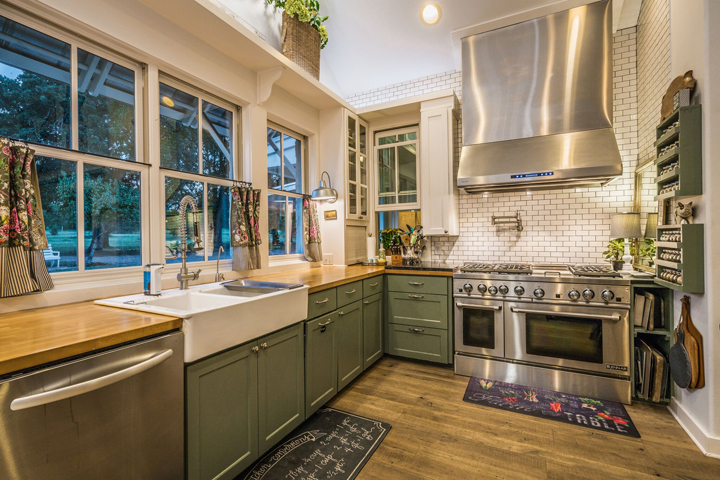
(558, 327)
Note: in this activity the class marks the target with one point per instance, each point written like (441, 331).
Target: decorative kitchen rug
(330, 444)
(561, 407)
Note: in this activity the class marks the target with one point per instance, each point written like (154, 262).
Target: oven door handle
(479, 307)
(613, 318)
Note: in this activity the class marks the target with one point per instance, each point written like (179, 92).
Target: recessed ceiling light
(431, 14)
(168, 101)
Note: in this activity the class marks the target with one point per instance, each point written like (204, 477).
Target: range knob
(493, 290)
(468, 288)
(588, 294)
(539, 293)
(607, 295)
(574, 294)
(482, 288)
(519, 291)
(504, 289)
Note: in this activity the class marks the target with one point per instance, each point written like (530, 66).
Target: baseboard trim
(708, 445)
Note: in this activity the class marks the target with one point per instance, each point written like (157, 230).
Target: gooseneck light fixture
(325, 190)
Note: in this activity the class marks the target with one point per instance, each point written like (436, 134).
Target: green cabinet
(321, 378)
(241, 402)
(372, 329)
(428, 344)
(350, 343)
(281, 385)
(347, 294)
(322, 303)
(222, 406)
(419, 309)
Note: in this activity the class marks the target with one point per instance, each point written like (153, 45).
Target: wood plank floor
(435, 435)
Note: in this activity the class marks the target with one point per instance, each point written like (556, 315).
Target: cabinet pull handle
(320, 302)
(351, 292)
(374, 284)
(263, 346)
(366, 302)
(416, 284)
(416, 330)
(341, 313)
(325, 324)
(416, 296)
(255, 349)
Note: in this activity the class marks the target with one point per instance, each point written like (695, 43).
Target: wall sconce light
(325, 190)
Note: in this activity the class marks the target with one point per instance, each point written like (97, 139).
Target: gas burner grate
(507, 268)
(593, 271)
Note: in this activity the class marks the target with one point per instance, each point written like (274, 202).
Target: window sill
(287, 260)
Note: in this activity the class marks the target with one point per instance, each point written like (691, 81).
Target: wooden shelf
(661, 332)
(687, 153)
(666, 263)
(667, 157)
(672, 175)
(692, 246)
(668, 138)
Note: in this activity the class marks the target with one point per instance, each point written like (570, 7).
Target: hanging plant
(306, 11)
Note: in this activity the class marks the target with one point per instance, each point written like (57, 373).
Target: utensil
(680, 360)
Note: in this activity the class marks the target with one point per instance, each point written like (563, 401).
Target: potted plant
(649, 251)
(614, 252)
(303, 33)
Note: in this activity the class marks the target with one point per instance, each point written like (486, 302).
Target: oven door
(479, 326)
(593, 339)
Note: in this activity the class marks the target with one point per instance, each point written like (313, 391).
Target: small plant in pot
(614, 253)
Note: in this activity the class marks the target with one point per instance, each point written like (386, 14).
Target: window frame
(287, 194)
(376, 190)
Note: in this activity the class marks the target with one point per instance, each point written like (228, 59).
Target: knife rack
(514, 220)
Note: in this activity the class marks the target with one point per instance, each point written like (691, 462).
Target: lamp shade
(651, 225)
(325, 190)
(625, 225)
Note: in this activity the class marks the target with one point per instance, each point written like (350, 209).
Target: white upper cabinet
(356, 168)
(438, 193)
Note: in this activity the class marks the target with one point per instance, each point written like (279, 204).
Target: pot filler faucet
(184, 276)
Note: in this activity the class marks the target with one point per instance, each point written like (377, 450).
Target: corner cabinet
(438, 193)
(357, 173)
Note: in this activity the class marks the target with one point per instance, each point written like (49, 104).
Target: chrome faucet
(219, 277)
(184, 276)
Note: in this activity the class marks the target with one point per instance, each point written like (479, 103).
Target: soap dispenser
(152, 278)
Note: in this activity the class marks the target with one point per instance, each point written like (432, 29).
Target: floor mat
(561, 407)
(330, 444)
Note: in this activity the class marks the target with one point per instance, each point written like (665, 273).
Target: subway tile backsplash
(560, 226)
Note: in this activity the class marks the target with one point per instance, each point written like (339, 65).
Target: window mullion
(74, 106)
(288, 225)
(206, 232)
(200, 135)
(282, 161)
(80, 202)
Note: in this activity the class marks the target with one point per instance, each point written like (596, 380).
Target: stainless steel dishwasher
(117, 414)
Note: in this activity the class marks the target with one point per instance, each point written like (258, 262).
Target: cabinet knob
(446, 232)
(263, 346)
(255, 349)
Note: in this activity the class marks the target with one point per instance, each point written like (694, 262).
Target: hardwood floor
(435, 435)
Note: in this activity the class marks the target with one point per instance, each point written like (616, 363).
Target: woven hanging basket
(301, 44)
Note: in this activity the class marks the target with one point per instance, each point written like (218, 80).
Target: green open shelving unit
(687, 153)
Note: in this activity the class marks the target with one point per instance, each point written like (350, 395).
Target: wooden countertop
(322, 278)
(34, 337)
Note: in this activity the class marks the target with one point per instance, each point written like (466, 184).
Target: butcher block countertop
(34, 337)
(322, 278)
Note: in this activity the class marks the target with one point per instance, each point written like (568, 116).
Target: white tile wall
(561, 226)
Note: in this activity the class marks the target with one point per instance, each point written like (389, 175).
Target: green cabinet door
(350, 343)
(281, 385)
(321, 378)
(221, 403)
(372, 329)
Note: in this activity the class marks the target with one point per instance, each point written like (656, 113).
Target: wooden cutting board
(693, 336)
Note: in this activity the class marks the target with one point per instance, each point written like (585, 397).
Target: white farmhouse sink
(216, 318)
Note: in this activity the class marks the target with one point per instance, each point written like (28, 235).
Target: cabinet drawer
(429, 344)
(418, 309)
(321, 303)
(373, 285)
(418, 284)
(347, 294)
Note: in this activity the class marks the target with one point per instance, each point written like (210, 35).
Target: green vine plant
(307, 12)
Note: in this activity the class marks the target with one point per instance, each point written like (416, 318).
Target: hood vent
(537, 104)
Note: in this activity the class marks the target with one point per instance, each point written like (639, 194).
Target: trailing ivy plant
(307, 12)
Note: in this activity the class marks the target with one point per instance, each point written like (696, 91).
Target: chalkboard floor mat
(330, 444)
(561, 407)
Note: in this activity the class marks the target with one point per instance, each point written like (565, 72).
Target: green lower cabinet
(372, 329)
(422, 310)
(221, 403)
(321, 378)
(281, 385)
(349, 343)
(429, 344)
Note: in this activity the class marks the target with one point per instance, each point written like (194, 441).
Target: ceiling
(376, 43)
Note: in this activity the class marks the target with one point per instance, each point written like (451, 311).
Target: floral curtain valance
(22, 229)
(311, 230)
(244, 217)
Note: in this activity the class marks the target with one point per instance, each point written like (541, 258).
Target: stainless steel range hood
(537, 104)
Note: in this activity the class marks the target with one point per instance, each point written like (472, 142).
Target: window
(285, 179)
(86, 145)
(397, 166)
(197, 152)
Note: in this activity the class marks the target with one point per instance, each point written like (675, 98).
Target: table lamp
(627, 226)
(651, 225)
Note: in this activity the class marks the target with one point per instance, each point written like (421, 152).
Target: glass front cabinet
(398, 169)
(357, 169)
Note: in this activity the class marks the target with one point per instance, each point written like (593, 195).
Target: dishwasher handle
(91, 385)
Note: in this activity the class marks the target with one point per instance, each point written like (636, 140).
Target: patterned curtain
(244, 216)
(22, 229)
(311, 230)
